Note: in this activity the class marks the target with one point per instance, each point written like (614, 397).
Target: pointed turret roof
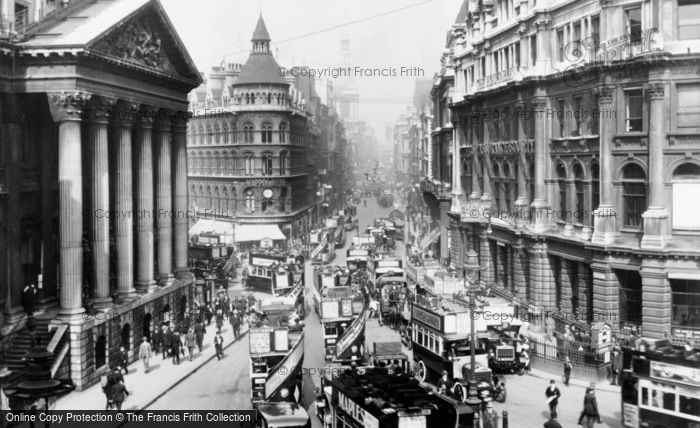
(260, 32)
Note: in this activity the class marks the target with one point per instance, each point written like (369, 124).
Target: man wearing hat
(553, 395)
(490, 416)
(589, 414)
(444, 384)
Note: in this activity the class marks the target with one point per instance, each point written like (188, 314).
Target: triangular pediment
(146, 38)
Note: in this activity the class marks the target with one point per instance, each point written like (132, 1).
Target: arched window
(210, 134)
(218, 163)
(248, 133)
(266, 132)
(595, 186)
(207, 198)
(247, 98)
(561, 184)
(497, 186)
(216, 205)
(231, 164)
(201, 135)
(225, 133)
(209, 167)
(579, 209)
(282, 199)
(217, 134)
(249, 200)
(686, 181)
(200, 198)
(283, 163)
(234, 133)
(249, 165)
(267, 164)
(225, 202)
(269, 98)
(283, 132)
(233, 205)
(634, 195)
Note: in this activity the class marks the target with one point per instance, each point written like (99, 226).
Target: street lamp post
(470, 276)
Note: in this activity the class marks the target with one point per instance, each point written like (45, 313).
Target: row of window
(427, 339)
(230, 204)
(248, 164)
(247, 135)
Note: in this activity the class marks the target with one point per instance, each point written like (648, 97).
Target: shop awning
(432, 237)
(212, 226)
(257, 232)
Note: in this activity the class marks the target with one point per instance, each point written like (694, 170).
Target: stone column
(606, 290)
(476, 167)
(521, 203)
(566, 280)
(604, 216)
(520, 274)
(145, 276)
(656, 228)
(124, 116)
(656, 302)
(457, 190)
(488, 274)
(584, 308)
(13, 118)
(538, 224)
(544, 293)
(544, 61)
(99, 111)
(67, 109)
(569, 217)
(180, 194)
(444, 207)
(164, 200)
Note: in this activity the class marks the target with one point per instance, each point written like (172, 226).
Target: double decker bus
(374, 397)
(328, 277)
(358, 257)
(440, 329)
(394, 295)
(322, 244)
(336, 228)
(660, 385)
(274, 272)
(337, 309)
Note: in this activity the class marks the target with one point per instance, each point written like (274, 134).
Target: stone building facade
(577, 156)
(250, 143)
(93, 177)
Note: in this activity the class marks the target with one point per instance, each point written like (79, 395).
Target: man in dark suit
(175, 347)
(199, 334)
(553, 395)
(167, 340)
(589, 414)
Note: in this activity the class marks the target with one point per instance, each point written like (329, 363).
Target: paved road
(217, 385)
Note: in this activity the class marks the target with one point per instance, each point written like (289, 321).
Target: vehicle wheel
(422, 371)
(460, 393)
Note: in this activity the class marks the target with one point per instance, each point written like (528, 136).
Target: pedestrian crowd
(178, 340)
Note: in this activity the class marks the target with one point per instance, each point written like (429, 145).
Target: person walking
(616, 366)
(236, 326)
(219, 346)
(490, 416)
(567, 370)
(219, 320)
(208, 314)
(119, 394)
(589, 414)
(167, 341)
(29, 299)
(157, 341)
(190, 342)
(107, 381)
(175, 347)
(123, 360)
(553, 395)
(199, 331)
(145, 352)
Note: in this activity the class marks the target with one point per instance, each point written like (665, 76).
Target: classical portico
(105, 110)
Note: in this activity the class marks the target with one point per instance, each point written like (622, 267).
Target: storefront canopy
(212, 226)
(257, 232)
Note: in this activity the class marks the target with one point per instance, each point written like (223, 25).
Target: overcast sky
(382, 34)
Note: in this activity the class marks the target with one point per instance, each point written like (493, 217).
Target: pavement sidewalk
(603, 386)
(146, 388)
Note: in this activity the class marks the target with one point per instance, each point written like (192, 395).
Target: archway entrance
(147, 326)
(126, 336)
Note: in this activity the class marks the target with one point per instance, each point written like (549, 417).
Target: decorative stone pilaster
(488, 274)
(457, 190)
(520, 271)
(584, 309)
(656, 228)
(164, 200)
(656, 299)
(567, 280)
(444, 207)
(179, 126)
(544, 293)
(67, 110)
(98, 113)
(539, 222)
(145, 275)
(544, 61)
(123, 119)
(606, 290)
(604, 216)
(521, 205)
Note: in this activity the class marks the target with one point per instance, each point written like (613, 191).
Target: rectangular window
(634, 195)
(688, 19)
(495, 62)
(688, 105)
(533, 50)
(685, 295)
(483, 67)
(595, 113)
(560, 45)
(630, 297)
(561, 115)
(634, 113)
(577, 32)
(578, 114)
(634, 24)
(516, 64)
